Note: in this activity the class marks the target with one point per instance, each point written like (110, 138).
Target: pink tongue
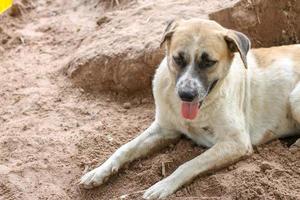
(189, 110)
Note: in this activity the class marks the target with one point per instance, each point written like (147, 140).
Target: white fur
(246, 108)
(270, 100)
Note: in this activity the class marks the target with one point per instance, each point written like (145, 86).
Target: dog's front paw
(98, 175)
(160, 190)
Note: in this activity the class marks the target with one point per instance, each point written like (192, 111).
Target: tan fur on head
(209, 33)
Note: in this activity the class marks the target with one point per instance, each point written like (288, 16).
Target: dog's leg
(154, 137)
(219, 155)
(297, 143)
(294, 99)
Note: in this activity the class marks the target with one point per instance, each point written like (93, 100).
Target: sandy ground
(51, 132)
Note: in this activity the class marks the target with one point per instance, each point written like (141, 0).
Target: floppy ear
(169, 30)
(238, 42)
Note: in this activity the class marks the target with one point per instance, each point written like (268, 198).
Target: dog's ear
(168, 32)
(238, 42)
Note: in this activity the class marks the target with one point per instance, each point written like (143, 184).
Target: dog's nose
(188, 95)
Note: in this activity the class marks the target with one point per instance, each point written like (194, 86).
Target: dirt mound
(124, 52)
(266, 22)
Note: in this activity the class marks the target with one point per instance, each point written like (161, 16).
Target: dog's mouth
(189, 110)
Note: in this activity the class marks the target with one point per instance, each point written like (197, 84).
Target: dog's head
(199, 54)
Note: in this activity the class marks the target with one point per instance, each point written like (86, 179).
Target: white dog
(215, 90)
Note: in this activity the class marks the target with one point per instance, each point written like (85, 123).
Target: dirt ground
(51, 131)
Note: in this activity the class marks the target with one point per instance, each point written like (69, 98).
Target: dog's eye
(206, 62)
(180, 60)
(209, 63)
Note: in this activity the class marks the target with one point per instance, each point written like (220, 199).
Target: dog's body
(238, 107)
(259, 97)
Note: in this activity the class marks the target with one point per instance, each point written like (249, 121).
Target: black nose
(188, 95)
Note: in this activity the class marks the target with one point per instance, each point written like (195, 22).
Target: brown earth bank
(52, 131)
(266, 22)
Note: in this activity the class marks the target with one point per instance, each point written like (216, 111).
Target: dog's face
(200, 53)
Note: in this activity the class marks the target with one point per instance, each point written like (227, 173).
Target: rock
(231, 167)
(103, 20)
(136, 101)
(127, 105)
(16, 10)
(265, 166)
(145, 100)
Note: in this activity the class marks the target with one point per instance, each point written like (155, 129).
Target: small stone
(4, 41)
(127, 105)
(103, 20)
(16, 10)
(145, 100)
(57, 100)
(265, 166)
(81, 90)
(94, 161)
(24, 128)
(136, 101)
